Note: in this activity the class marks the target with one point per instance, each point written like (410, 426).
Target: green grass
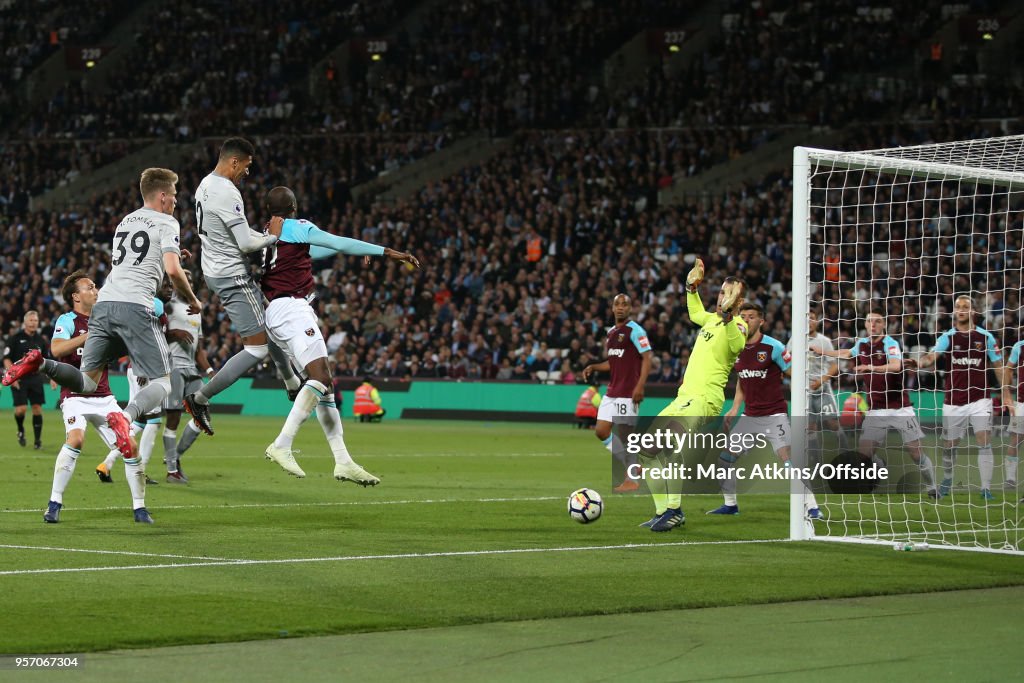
(366, 569)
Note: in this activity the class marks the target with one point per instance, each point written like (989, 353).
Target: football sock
(192, 432)
(1010, 467)
(948, 463)
(330, 422)
(68, 376)
(37, 427)
(986, 464)
(20, 420)
(284, 366)
(305, 403)
(147, 443)
(657, 487)
(728, 485)
(927, 470)
(111, 458)
(609, 445)
(170, 449)
(136, 478)
(236, 366)
(149, 398)
(67, 458)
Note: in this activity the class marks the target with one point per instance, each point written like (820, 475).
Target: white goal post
(911, 231)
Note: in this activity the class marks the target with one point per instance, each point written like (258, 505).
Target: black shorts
(28, 393)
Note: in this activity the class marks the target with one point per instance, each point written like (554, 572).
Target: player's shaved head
(621, 297)
(281, 201)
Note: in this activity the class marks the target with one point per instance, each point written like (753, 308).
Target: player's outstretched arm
(845, 354)
(249, 240)
(325, 244)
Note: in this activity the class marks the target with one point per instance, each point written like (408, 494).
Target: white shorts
(775, 428)
(293, 326)
(81, 411)
(877, 424)
(1017, 419)
(955, 419)
(617, 410)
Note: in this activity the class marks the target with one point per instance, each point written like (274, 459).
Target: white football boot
(352, 472)
(284, 458)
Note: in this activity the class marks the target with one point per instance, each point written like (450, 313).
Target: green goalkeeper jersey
(714, 353)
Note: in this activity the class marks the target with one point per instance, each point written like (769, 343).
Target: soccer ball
(585, 506)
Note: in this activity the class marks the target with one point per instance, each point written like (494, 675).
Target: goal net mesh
(908, 231)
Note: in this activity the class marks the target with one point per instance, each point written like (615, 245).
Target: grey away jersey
(817, 366)
(219, 208)
(140, 242)
(183, 356)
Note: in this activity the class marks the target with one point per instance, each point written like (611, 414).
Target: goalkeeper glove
(695, 276)
(731, 295)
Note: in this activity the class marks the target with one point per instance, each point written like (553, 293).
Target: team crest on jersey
(71, 420)
(310, 332)
(762, 356)
(978, 346)
(621, 337)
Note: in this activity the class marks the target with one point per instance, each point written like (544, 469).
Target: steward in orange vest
(367, 404)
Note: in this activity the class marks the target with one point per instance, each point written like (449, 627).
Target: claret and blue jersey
(288, 265)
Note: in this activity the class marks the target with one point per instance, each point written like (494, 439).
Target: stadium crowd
(521, 253)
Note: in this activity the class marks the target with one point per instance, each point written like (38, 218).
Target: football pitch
(464, 565)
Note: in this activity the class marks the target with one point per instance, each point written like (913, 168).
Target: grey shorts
(823, 405)
(117, 328)
(183, 383)
(243, 301)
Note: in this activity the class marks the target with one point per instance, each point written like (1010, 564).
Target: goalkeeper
(701, 396)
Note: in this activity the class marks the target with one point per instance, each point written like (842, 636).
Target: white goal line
(396, 556)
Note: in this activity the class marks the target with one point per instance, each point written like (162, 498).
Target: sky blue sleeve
(158, 307)
(779, 354)
(639, 338)
(942, 343)
(855, 349)
(892, 348)
(993, 352)
(1015, 353)
(304, 232)
(317, 253)
(65, 326)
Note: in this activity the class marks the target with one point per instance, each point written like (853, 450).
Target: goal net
(909, 261)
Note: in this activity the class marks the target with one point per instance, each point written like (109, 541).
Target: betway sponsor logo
(753, 374)
(616, 352)
(967, 362)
